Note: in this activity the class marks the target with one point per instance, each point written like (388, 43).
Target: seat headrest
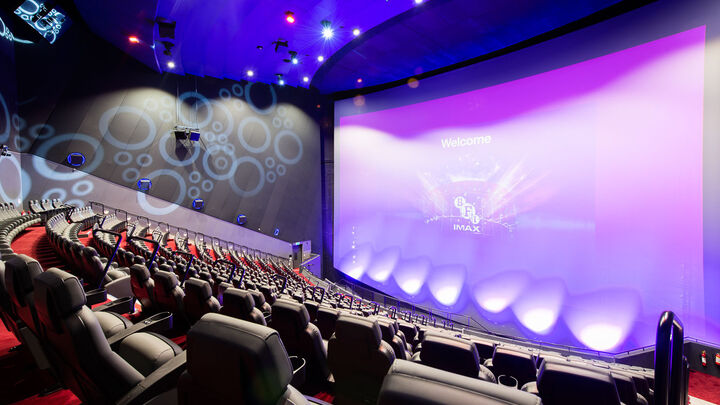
(253, 357)
(89, 251)
(258, 297)
(288, 313)
(240, 299)
(387, 328)
(20, 270)
(506, 354)
(165, 267)
(357, 328)
(451, 354)
(57, 295)
(565, 383)
(140, 272)
(167, 280)
(200, 288)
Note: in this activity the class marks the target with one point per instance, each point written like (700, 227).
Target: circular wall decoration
(283, 158)
(109, 115)
(41, 166)
(243, 141)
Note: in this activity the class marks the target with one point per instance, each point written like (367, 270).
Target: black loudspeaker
(180, 134)
(194, 136)
(166, 29)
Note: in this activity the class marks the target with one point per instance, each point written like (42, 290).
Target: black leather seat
(238, 362)
(312, 308)
(563, 383)
(510, 362)
(389, 335)
(143, 286)
(198, 299)
(457, 356)
(78, 347)
(410, 331)
(301, 338)
(409, 383)
(359, 359)
(260, 302)
(240, 304)
(168, 294)
(326, 319)
(20, 271)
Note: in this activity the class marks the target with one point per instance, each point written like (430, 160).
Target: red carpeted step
(704, 386)
(35, 243)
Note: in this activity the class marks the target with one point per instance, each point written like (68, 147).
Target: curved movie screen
(564, 206)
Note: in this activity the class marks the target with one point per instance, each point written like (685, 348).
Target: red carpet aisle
(34, 243)
(705, 387)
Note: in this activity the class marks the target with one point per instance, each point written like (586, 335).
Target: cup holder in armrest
(96, 296)
(124, 305)
(158, 323)
(508, 381)
(298, 365)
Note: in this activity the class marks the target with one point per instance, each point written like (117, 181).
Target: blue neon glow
(70, 159)
(198, 203)
(144, 184)
(241, 219)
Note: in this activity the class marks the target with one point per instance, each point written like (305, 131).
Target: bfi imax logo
(459, 142)
(469, 213)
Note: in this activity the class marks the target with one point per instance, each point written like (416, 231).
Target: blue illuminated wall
(258, 155)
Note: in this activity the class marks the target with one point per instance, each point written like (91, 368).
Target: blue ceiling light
(250, 73)
(294, 61)
(356, 32)
(321, 58)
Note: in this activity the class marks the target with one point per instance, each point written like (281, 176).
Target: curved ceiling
(398, 38)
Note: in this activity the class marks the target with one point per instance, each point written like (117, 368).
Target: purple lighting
(568, 204)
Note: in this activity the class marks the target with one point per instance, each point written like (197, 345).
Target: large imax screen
(564, 205)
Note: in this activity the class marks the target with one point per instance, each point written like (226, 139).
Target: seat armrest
(124, 305)
(158, 323)
(163, 379)
(96, 296)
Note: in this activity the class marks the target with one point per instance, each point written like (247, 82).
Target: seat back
(198, 299)
(143, 286)
(560, 384)
(358, 358)
(457, 356)
(234, 361)
(520, 365)
(168, 294)
(300, 337)
(240, 304)
(260, 302)
(326, 320)
(312, 308)
(389, 335)
(76, 342)
(20, 271)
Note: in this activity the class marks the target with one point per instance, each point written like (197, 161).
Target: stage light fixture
(356, 31)
(171, 65)
(241, 219)
(281, 82)
(359, 80)
(133, 39)
(198, 204)
(294, 61)
(418, 1)
(306, 79)
(321, 58)
(144, 184)
(290, 17)
(276, 232)
(250, 73)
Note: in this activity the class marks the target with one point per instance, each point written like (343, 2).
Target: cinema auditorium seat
(510, 362)
(409, 383)
(240, 304)
(389, 335)
(144, 364)
(198, 299)
(562, 383)
(143, 286)
(254, 370)
(168, 294)
(20, 270)
(359, 359)
(301, 338)
(457, 356)
(260, 302)
(326, 319)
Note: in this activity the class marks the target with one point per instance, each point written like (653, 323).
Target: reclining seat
(20, 270)
(80, 350)
(389, 335)
(560, 384)
(520, 365)
(143, 287)
(116, 282)
(359, 359)
(260, 302)
(326, 319)
(457, 356)
(301, 338)
(168, 294)
(7, 312)
(240, 304)
(255, 368)
(198, 299)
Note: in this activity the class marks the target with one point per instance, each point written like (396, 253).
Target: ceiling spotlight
(356, 31)
(306, 79)
(290, 17)
(133, 39)
(294, 61)
(321, 58)
(281, 82)
(359, 80)
(327, 31)
(418, 1)
(171, 65)
(250, 73)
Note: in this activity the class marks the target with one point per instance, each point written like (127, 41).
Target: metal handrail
(152, 241)
(112, 257)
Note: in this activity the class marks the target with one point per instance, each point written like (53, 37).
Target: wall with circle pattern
(259, 153)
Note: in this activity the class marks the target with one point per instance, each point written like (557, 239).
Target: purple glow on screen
(566, 201)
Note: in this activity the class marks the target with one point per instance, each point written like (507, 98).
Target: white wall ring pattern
(270, 162)
(271, 177)
(171, 160)
(130, 174)
(35, 131)
(87, 188)
(262, 111)
(15, 162)
(54, 193)
(195, 177)
(193, 192)
(123, 158)
(241, 136)
(204, 100)
(41, 166)
(224, 94)
(284, 159)
(281, 170)
(21, 144)
(206, 157)
(207, 186)
(150, 209)
(237, 89)
(104, 127)
(144, 159)
(226, 127)
(261, 182)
